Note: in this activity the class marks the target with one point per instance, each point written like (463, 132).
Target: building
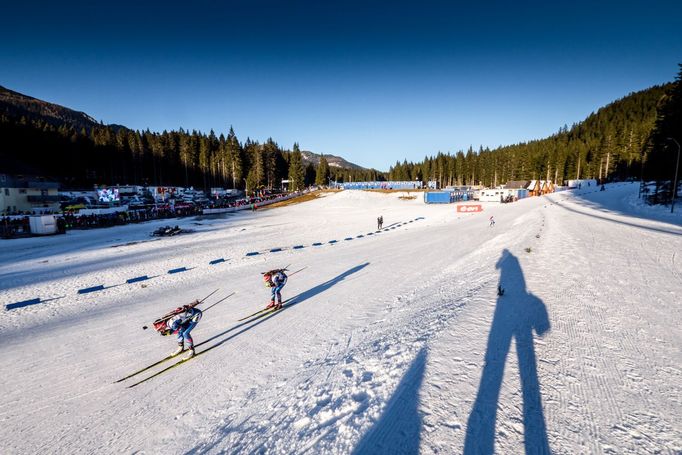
(534, 188)
(502, 194)
(516, 184)
(546, 187)
(27, 195)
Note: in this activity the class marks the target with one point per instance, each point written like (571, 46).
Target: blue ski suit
(183, 323)
(277, 281)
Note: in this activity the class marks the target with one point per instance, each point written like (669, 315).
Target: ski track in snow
(384, 348)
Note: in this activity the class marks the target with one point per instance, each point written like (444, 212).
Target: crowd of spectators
(16, 226)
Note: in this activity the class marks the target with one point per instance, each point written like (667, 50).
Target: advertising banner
(465, 208)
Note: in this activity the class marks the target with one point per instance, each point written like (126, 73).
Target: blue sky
(374, 82)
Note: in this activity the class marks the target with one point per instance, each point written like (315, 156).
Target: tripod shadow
(517, 314)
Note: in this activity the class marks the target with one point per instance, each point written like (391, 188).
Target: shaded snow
(396, 342)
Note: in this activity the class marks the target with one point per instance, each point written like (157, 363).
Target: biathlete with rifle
(181, 321)
(275, 280)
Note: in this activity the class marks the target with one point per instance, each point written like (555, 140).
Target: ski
(269, 312)
(256, 313)
(142, 370)
(263, 310)
(164, 370)
(148, 367)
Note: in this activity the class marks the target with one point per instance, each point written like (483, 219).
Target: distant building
(27, 194)
(546, 186)
(534, 188)
(515, 184)
(502, 194)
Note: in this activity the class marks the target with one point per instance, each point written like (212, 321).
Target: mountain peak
(333, 160)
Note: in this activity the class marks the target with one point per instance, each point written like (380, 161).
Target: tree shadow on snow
(517, 314)
(673, 229)
(399, 428)
(615, 201)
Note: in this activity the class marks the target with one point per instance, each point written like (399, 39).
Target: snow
(396, 342)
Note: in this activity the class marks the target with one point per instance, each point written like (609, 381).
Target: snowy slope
(395, 342)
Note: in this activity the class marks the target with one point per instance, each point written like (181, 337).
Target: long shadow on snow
(517, 314)
(399, 428)
(600, 201)
(298, 299)
(303, 296)
(605, 218)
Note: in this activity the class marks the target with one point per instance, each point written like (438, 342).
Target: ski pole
(294, 273)
(202, 300)
(224, 298)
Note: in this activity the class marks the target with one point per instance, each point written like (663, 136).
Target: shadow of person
(398, 430)
(517, 314)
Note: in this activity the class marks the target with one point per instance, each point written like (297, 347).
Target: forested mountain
(332, 160)
(14, 104)
(44, 139)
(48, 140)
(610, 143)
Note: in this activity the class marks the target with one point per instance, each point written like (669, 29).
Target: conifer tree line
(662, 149)
(627, 138)
(109, 155)
(611, 144)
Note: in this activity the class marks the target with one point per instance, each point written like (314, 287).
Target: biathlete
(275, 280)
(181, 321)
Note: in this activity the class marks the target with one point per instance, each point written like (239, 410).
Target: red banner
(469, 208)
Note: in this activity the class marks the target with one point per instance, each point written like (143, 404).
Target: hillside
(334, 161)
(52, 141)
(14, 104)
(610, 144)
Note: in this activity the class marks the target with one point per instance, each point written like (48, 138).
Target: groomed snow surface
(395, 342)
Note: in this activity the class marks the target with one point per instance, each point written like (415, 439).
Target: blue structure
(92, 289)
(23, 303)
(137, 278)
(408, 185)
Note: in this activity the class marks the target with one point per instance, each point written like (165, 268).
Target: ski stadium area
(557, 330)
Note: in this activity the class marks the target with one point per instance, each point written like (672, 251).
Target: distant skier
(180, 321)
(380, 222)
(492, 221)
(275, 280)
(603, 188)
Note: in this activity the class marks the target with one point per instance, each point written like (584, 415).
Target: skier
(182, 322)
(492, 221)
(275, 280)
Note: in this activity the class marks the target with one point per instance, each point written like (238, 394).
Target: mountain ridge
(15, 104)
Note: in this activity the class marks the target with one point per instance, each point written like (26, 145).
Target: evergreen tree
(296, 171)
(667, 129)
(322, 175)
